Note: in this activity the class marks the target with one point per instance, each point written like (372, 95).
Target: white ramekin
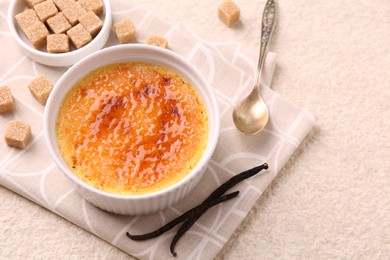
(134, 204)
(57, 59)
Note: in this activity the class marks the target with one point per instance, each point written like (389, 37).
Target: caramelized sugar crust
(132, 128)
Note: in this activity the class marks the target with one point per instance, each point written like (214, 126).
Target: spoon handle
(267, 25)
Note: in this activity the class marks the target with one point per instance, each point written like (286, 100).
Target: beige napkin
(229, 68)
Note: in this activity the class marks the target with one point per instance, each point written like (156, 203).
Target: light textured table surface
(332, 198)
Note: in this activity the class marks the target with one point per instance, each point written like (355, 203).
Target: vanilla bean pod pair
(191, 216)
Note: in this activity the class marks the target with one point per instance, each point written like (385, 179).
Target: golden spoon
(251, 114)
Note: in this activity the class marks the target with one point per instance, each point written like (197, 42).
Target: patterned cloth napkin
(229, 68)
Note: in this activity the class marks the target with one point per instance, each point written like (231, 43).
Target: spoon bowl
(251, 115)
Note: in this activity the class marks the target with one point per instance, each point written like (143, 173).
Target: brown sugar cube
(45, 10)
(125, 31)
(31, 3)
(57, 43)
(228, 12)
(62, 4)
(26, 18)
(58, 23)
(157, 41)
(6, 100)
(73, 13)
(79, 36)
(40, 88)
(37, 33)
(17, 134)
(95, 6)
(91, 22)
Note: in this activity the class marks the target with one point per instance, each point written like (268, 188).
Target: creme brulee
(132, 128)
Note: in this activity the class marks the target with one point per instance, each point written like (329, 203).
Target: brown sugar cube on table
(45, 10)
(57, 43)
(228, 12)
(31, 3)
(73, 13)
(157, 41)
(62, 4)
(58, 23)
(6, 100)
(91, 22)
(40, 88)
(37, 33)
(95, 6)
(17, 134)
(125, 31)
(26, 18)
(79, 36)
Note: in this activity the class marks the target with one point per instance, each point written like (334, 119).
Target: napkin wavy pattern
(228, 67)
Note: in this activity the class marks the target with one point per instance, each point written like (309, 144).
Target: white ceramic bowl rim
(30, 48)
(52, 105)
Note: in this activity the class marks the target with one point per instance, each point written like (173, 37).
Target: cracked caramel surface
(132, 128)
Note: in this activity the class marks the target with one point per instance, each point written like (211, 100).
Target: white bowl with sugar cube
(56, 35)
